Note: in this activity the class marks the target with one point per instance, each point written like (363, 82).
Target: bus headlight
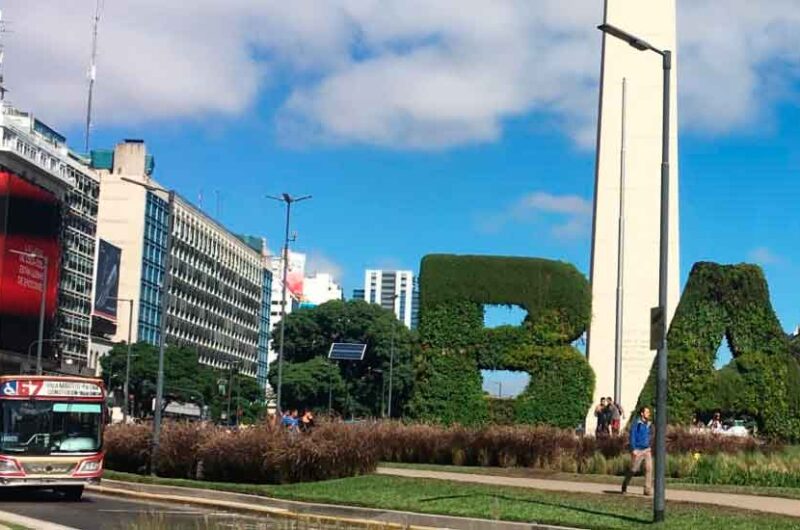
(90, 466)
(9, 467)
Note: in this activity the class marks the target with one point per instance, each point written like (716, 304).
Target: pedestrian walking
(640, 452)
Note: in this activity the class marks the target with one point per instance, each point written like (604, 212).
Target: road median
(310, 515)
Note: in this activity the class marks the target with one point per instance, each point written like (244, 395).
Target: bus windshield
(47, 427)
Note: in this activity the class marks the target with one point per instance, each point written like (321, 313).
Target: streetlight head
(145, 185)
(621, 34)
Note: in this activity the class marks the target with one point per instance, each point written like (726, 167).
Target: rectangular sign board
(107, 281)
(28, 387)
(341, 351)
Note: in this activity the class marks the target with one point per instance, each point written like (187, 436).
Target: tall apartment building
(49, 207)
(219, 282)
(393, 290)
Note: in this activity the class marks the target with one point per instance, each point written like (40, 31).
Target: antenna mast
(2, 58)
(92, 70)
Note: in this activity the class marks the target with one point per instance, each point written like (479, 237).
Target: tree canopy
(185, 379)
(357, 387)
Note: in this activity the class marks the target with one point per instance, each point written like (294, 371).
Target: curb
(308, 513)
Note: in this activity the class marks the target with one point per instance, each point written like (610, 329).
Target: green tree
(364, 384)
(185, 379)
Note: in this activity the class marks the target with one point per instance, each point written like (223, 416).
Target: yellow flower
(696, 456)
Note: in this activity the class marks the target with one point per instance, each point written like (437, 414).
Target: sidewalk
(311, 515)
(776, 505)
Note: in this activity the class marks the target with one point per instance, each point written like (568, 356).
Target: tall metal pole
(620, 253)
(165, 286)
(126, 386)
(283, 306)
(659, 501)
(330, 391)
(92, 75)
(42, 310)
(230, 391)
(391, 370)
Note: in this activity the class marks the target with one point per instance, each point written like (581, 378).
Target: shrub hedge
(453, 292)
(538, 286)
(763, 379)
(259, 454)
(562, 387)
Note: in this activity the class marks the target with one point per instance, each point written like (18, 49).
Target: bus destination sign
(47, 388)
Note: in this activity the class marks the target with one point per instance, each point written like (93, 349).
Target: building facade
(626, 233)
(393, 290)
(320, 288)
(218, 281)
(36, 160)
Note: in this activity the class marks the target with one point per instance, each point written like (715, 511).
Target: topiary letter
(453, 291)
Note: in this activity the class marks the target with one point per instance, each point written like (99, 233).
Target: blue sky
(463, 128)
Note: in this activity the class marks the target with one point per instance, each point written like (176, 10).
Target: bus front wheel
(72, 493)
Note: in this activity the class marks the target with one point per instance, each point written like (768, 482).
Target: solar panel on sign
(341, 351)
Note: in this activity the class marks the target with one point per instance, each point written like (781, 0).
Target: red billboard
(30, 227)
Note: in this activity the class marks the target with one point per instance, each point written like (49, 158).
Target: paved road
(100, 512)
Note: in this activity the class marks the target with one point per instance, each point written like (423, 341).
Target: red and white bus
(52, 432)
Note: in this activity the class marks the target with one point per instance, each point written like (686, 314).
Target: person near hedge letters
(640, 452)
(615, 409)
(603, 415)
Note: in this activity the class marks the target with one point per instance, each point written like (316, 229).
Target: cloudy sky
(455, 125)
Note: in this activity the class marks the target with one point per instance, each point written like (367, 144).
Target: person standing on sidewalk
(616, 415)
(640, 452)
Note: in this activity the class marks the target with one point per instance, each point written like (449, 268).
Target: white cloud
(394, 73)
(764, 256)
(316, 262)
(569, 216)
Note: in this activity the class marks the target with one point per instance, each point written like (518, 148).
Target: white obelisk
(653, 21)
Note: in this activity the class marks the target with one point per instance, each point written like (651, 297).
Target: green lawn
(676, 484)
(489, 502)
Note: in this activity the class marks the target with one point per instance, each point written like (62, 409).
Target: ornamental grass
(262, 454)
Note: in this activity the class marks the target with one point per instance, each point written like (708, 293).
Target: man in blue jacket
(640, 451)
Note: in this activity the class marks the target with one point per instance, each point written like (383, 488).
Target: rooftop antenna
(2, 57)
(92, 74)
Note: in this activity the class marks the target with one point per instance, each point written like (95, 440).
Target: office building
(625, 248)
(49, 208)
(320, 288)
(358, 294)
(218, 281)
(392, 290)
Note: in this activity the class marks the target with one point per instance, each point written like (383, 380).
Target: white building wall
(653, 21)
(321, 288)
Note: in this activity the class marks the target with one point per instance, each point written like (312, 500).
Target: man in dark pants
(640, 452)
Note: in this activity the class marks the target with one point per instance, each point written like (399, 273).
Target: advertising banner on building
(296, 274)
(107, 281)
(30, 228)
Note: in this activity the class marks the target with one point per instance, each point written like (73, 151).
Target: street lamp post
(659, 500)
(391, 362)
(37, 341)
(164, 288)
(125, 387)
(288, 200)
(42, 304)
